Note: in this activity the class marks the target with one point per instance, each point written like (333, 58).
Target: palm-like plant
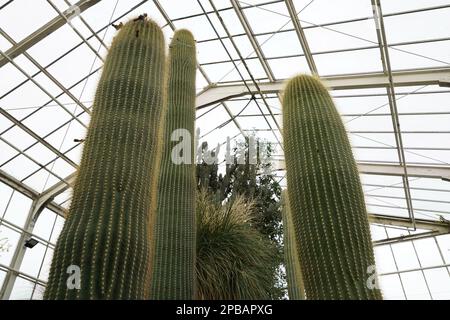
(233, 258)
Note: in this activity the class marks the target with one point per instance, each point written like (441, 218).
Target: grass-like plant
(233, 258)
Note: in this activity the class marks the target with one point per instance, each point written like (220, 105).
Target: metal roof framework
(260, 86)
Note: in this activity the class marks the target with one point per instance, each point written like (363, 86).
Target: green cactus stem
(106, 233)
(325, 195)
(175, 238)
(296, 289)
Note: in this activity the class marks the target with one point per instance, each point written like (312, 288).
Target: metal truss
(420, 77)
(44, 31)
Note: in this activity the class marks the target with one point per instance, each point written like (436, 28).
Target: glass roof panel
(391, 6)
(342, 10)
(285, 68)
(345, 62)
(342, 36)
(38, 13)
(267, 18)
(425, 25)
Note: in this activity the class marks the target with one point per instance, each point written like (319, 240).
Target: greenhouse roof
(386, 62)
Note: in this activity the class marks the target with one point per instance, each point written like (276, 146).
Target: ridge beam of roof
(432, 172)
(418, 77)
(45, 30)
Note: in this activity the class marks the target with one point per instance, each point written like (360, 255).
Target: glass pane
(44, 224)
(415, 286)
(22, 290)
(18, 209)
(46, 264)
(384, 259)
(12, 238)
(38, 293)
(439, 283)
(405, 256)
(391, 287)
(32, 260)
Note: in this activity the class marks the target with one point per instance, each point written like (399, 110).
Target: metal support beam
(40, 202)
(441, 227)
(251, 37)
(419, 77)
(44, 31)
(384, 52)
(432, 172)
(19, 253)
(409, 237)
(435, 228)
(29, 192)
(48, 74)
(301, 36)
(46, 144)
(48, 195)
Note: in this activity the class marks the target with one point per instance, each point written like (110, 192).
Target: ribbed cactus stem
(175, 238)
(325, 196)
(106, 233)
(296, 288)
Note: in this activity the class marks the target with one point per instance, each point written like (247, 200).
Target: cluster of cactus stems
(296, 289)
(325, 195)
(175, 245)
(131, 227)
(108, 228)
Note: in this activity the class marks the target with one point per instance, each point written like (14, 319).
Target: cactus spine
(326, 197)
(175, 238)
(106, 233)
(296, 289)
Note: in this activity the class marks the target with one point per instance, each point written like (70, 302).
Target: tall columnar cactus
(296, 288)
(175, 238)
(326, 197)
(106, 235)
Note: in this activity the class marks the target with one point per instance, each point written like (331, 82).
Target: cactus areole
(104, 249)
(325, 195)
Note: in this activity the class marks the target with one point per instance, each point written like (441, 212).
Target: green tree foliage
(254, 180)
